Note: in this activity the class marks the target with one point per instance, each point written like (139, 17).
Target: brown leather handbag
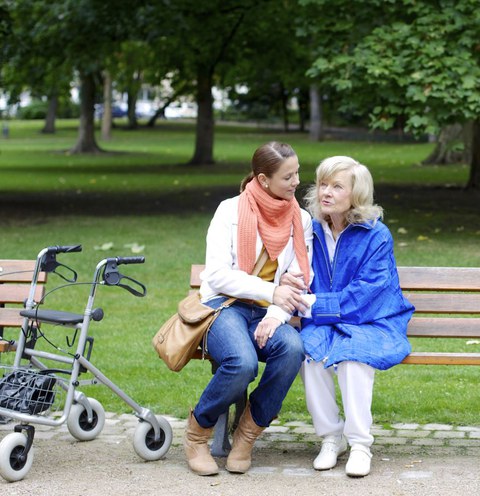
(180, 336)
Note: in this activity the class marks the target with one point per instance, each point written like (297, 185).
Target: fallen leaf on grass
(422, 238)
(402, 230)
(134, 247)
(104, 247)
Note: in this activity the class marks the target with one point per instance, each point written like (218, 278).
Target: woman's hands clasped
(288, 296)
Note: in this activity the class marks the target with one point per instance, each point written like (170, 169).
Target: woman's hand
(265, 330)
(293, 279)
(289, 299)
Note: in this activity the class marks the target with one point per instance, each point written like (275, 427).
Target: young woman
(265, 216)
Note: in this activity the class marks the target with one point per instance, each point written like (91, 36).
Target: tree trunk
(107, 106)
(86, 132)
(49, 127)
(205, 123)
(444, 152)
(467, 142)
(159, 114)
(284, 98)
(132, 107)
(302, 109)
(316, 125)
(474, 179)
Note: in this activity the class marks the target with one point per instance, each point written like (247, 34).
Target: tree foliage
(408, 63)
(413, 60)
(417, 63)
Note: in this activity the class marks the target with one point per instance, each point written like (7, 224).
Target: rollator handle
(130, 260)
(65, 249)
(50, 264)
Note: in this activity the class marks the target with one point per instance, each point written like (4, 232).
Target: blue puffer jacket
(360, 313)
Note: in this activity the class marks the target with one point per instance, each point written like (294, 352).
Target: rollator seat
(53, 316)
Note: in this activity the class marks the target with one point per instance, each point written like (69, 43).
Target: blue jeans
(231, 344)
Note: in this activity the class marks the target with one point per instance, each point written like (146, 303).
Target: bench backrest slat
(439, 278)
(18, 293)
(195, 276)
(15, 279)
(10, 317)
(19, 271)
(444, 327)
(451, 303)
(411, 278)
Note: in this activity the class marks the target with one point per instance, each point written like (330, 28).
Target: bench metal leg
(221, 443)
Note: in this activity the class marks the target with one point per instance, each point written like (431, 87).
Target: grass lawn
(141, 193)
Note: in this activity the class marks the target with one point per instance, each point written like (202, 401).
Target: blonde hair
(363, 209)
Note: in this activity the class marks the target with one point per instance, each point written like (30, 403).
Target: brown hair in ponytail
(267, 159)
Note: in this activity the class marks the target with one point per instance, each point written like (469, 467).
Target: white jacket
(222, 274)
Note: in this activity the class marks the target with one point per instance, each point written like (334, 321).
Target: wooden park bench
(447, 303)
(15, 279)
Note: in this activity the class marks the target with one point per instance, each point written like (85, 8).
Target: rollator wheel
(79, 426)
(14, 466)
(144, 441)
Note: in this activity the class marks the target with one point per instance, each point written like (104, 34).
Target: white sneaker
(358, 464)
(332, 448)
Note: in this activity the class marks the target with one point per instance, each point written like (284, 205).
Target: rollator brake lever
(50, 264)
(112, 277)
(140, 294)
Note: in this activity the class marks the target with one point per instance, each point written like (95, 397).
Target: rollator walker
(34, 392)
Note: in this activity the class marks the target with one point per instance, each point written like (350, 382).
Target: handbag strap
(256, 270)
(260, 262)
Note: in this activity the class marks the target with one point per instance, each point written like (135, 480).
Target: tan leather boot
(240, 458)
(196, 447)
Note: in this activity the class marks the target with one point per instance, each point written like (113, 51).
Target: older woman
(358, 317)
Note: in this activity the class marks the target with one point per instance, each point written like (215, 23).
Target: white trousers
(355, 381)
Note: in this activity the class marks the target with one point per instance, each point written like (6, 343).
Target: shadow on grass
(432, 201)
(17, 206)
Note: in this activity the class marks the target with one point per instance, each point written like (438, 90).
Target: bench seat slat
(5, 346)
(427, 358)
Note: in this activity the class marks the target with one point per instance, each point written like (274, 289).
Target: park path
(409, 459)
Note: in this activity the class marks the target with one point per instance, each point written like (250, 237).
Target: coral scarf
(273, 219)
